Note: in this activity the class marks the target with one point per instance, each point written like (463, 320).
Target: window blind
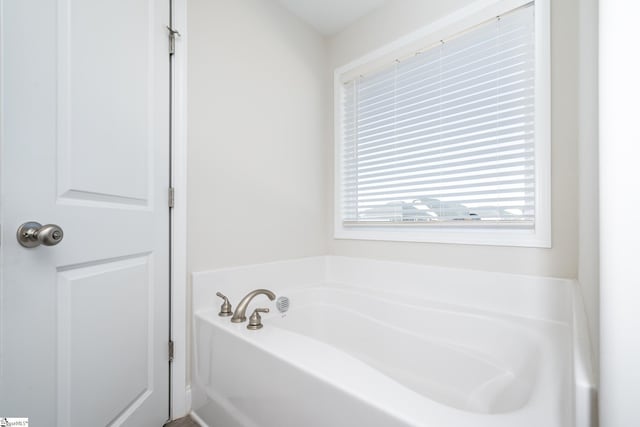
(446, 135)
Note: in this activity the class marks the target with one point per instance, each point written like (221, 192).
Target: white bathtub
(351, 356)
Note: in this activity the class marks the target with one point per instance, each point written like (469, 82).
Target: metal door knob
(32, 234)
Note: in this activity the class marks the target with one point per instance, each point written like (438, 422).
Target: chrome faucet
(239, 315)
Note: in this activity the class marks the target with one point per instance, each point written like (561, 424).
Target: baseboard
(187, 398)
(198, 420)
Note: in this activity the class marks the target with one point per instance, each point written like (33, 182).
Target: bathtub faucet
(239, 315)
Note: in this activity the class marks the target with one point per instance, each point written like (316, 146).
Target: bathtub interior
(473, 362)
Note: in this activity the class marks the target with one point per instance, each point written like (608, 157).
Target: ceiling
(330, 17)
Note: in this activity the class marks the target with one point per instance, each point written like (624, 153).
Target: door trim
(180, 403)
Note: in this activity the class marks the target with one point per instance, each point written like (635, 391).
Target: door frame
(180, 395)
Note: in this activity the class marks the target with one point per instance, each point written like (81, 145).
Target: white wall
(588, 243)
(399, 17)
(257, 97)
(620, 203)
(258, 101)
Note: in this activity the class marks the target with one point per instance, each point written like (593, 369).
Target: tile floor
(183, 422)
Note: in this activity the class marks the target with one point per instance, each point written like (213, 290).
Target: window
(448, 142)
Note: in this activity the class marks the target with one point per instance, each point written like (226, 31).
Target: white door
(85, 145)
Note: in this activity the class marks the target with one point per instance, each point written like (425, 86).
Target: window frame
(474, 233)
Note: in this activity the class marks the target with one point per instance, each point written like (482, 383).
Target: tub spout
(240, 313)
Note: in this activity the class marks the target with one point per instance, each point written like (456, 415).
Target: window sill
(465, 235)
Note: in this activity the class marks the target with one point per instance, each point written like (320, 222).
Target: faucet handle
(225, 308)
(255, 321)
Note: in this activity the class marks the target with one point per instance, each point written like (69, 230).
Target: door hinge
(172, 196)
(172, 39)
(170, 351)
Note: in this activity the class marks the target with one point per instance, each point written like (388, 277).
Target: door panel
(104, 368)
(105, 70)
(85, 145)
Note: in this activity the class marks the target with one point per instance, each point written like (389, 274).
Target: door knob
(32, 234)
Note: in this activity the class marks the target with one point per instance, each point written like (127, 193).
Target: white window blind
(446, 135)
